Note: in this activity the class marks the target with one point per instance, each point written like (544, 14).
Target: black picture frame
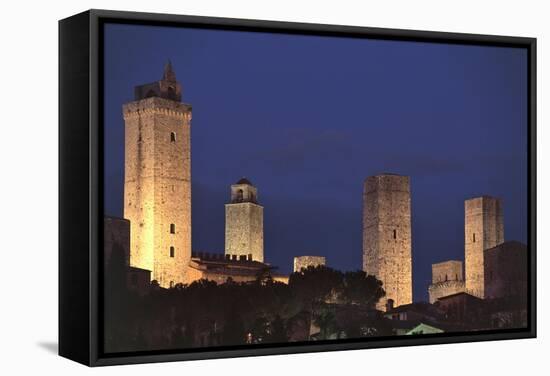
(80, 184)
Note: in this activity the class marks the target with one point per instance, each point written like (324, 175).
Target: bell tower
(157, 179)
(244, 222)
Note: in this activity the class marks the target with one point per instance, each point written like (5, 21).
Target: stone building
(483, 230)
(505, 269)
(116, 257)
(157, 180)
(220, 268)
(302, 262)
(465, 309)
(244, 222)
(387, 235)
(116, 236)
(447, 279)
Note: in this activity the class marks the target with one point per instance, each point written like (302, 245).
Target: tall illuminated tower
(483, 229)
(244, 222)
(387, 235)
(157, 179)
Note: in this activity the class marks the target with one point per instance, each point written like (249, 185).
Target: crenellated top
(155, 105)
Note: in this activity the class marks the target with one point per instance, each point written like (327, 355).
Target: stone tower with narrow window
(244, 222)
(387, 235)
(483, 229)
(157, 179)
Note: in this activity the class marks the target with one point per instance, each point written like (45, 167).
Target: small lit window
(172, 136)
(172, 251)
(172, 228)
(171, 284)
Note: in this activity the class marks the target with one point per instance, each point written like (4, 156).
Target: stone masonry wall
(506, 271)
(442, 289)
(447, 271)
(483, 230)
(302, 262)
(157, 186)
(447, 279)
(244, 230)
(116, 231)
(387, 235)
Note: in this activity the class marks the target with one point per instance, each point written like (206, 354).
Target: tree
(277, 331)
(358, 288)
(325, 318)
(316, 284)
(263, 277)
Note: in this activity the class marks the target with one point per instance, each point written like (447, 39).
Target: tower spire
(169, 74)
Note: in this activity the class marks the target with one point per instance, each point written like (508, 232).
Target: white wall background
(28, 184)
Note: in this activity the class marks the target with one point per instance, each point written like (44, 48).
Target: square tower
(447, 271)
(157, 179)
(483, 229)
(447, 279)
(244, 222)
(387, 235)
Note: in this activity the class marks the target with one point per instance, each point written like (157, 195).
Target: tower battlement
(447, 279)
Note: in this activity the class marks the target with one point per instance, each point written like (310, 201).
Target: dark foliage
(204, 313)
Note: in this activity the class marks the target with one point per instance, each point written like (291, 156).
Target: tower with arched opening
(244, 222)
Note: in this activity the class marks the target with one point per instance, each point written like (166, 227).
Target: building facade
(244, 222)
(387, 252)
(157, 180)
(116, 239)
(447, 279)
(116, 258)
(506, 271)
(483, 229)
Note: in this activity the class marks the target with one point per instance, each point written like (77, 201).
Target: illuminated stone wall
(483, 230)
(447, 271)
(447, 279)
(244, 224)
(302, 262)
(387, 235)
(443, 289)
(157, 186)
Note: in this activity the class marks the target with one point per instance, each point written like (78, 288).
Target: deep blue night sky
(308, 118)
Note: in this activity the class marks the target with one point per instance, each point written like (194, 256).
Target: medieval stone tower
(244, 222)
(483, 229)
(387, 235)
(157, 181)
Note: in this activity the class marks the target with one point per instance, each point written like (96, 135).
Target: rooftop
(244, 180)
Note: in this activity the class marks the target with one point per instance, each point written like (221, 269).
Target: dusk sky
(308, 118)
